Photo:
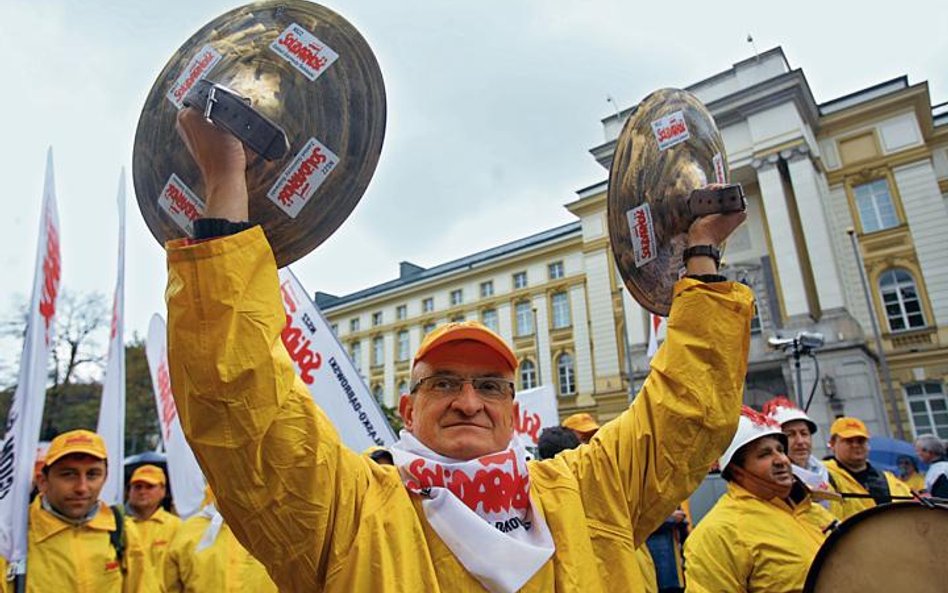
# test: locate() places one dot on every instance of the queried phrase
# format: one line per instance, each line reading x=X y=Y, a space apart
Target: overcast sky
x=492 y=108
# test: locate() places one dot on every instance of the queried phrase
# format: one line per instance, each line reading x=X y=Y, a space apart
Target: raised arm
x=639 y=467
x=284 y=482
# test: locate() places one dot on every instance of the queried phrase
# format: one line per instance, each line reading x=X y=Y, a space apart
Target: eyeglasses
x=488 y=388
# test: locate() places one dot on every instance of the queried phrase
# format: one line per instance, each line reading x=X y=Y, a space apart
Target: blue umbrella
x=884 y=453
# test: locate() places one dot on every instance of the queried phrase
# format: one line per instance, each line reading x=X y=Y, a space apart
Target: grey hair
x=932 y=444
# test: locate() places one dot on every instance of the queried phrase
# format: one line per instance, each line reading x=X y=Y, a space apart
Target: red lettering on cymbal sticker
x=304 y=51
x=197 y=68
x=718 y=161
x=300 y=180
x=642 y=232
x=670 y=130
x=181 y=204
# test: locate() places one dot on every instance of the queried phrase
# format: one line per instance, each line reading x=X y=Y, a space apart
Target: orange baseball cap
x=75 y=441
x=466 y=330
x=849 y=427
x=581 y=422
x=150 y=474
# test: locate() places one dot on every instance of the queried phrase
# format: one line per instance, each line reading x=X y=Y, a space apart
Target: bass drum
x=886 y=549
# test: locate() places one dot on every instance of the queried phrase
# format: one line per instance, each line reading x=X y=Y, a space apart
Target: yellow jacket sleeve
x=140 y=577
x=290 y=490
x=640 y=466
x=716 y=561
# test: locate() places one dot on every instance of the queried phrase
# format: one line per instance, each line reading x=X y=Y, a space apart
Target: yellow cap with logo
x=75 y=441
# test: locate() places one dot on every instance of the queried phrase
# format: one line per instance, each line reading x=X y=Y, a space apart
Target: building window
x=376 y=318
x=489 y=318
x=929 y=408
x=524 y=318
x=520 y=280
x=355 y=353
x=487 y=289
x=428 y=328
x=528 y=374
x=564 y=368
x=403 y=345
x=903 y=308
x=427 y=305
x=556 y=270
x=335 y=329
x=560 y=306
x=377 y=393
x=354 y=324
x=401 y=312
x=457 y=318
x=402 y=387
x=457 y=297
x=378 y=351
x=874 y=203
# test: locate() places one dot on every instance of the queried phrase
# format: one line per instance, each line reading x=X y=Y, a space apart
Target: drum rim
x=844 y=527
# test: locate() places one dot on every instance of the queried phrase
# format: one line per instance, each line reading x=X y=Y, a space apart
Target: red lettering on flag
x=51 y=273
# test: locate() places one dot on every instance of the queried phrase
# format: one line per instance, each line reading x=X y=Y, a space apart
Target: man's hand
x=221 y=158
x=711 y=230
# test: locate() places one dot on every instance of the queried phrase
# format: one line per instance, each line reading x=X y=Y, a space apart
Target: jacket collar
x=799 y=497
x=44 y=524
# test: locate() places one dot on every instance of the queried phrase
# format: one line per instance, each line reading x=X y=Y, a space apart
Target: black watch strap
x=210 y=228
x=702 y=250
x=235 y=114
x=707 y=277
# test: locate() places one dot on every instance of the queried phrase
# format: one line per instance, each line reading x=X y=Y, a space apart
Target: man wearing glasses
x=461 y=509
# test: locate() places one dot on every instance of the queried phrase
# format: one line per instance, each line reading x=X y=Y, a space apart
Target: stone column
x=810 y=205
x=786 y=260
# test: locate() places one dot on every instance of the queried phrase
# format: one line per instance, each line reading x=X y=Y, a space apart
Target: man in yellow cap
x=146 y=490
x=77 y=543
x=583 y=425
x=852 y=474
x=462 y=510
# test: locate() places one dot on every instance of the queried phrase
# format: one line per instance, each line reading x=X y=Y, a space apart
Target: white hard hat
x=752 y=426
x=782 y=410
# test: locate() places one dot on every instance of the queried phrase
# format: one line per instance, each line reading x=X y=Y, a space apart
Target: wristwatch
x=702 y=250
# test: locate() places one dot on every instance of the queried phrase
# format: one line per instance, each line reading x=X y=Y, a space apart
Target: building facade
x=857 y=182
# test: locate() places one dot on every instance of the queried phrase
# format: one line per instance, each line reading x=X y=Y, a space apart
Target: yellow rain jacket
x=323 y=518
x=845 y=483
x=157 y=532
x=81 y=559
x=746 y=545
x=222 y=567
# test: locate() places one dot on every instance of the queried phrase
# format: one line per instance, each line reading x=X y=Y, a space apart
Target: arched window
x=528 y=374
x=903 y=308
x=567 y=376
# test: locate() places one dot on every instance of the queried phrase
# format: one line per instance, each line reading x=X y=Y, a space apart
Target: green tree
x=141 y=413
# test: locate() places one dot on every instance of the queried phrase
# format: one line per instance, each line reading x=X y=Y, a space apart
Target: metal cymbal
x=669 y=146
x=305 y=68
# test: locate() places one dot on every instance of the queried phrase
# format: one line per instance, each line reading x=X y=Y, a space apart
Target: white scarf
x=815 y=475
x=481 y=509
x=213 y=528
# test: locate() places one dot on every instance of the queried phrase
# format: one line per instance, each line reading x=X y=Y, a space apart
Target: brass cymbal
x=305 y=68
x=669 y=146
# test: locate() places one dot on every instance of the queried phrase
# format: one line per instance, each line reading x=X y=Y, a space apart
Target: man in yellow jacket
x=205 y=557
x=76 y=542
x=762 y=535
x=461 y=510
x=851 y=473
x=146 y=490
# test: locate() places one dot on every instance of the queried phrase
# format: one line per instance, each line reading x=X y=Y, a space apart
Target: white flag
x=656 y=333
x=536 y=410
x=112 y=408
x=26 y=410
x=184 y=474
x=325 y=368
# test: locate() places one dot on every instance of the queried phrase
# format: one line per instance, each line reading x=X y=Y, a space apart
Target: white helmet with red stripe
x=752 y=426
x=782 y=410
